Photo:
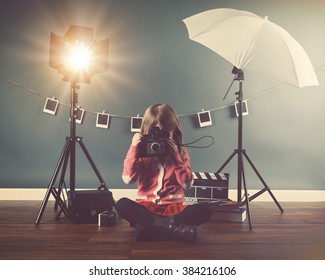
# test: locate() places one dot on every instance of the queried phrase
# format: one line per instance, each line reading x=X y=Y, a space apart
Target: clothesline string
x=179 y=115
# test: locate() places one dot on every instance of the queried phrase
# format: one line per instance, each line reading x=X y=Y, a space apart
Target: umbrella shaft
x=240 y=115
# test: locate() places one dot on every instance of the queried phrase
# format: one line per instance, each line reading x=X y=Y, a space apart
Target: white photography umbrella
x=251 y=42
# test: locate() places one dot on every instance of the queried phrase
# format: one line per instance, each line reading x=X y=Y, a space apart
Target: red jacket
x=161 y=183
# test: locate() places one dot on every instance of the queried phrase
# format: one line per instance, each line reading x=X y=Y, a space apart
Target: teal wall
x=152 y=60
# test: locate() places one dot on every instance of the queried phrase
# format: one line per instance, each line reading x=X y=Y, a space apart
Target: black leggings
x=133 y=212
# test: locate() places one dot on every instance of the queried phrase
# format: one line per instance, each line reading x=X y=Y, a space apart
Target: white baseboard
x=281 y=195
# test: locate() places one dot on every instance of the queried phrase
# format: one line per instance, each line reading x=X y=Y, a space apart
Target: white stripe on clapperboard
x=211 y=174
x=203 y=176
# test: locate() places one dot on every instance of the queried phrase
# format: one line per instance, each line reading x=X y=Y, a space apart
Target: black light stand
x=68 y=154
x=241 y=154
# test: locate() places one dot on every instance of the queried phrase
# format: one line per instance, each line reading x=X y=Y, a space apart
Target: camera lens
x=155 y=147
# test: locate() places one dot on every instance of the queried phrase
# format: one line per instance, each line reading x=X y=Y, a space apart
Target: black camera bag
x=86 y=205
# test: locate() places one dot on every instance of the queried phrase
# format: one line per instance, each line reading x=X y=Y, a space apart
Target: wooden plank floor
x=298 y=233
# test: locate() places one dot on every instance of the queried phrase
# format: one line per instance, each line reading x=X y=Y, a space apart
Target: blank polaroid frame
x=204 y=118
x=80 y=115
x=102 y=120
x=136 y=123
x=245 y=108
x=51 y=106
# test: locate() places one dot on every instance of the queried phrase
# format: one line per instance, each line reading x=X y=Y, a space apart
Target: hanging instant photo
x=136 y=124
x=80 y=115
x=51 y=106
x=102 y=120
x=245 y=108
x=204 y=118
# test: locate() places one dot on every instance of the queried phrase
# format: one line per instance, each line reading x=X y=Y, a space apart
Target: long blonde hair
x=167 y=117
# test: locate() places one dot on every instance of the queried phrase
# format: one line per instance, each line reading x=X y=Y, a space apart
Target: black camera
x=154 y=143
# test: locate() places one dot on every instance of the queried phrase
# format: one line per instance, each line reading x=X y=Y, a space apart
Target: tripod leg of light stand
x=51 y=189
x=227 y=161
x=92 y=163
x=60 y=189
x=64 y=209
x=61 y=180
x=266 y=188
x=246 y=195
x=241 y=176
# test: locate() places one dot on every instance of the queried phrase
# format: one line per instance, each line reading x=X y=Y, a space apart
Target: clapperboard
x=208 y=186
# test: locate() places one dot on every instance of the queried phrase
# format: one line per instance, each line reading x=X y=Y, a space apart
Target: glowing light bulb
x=78 y=57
